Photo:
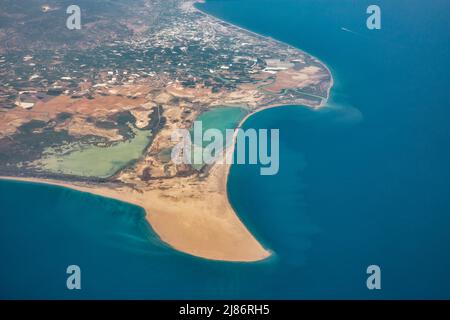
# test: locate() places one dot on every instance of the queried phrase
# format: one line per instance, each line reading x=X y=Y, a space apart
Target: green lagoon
x=103 y=161
x=220 y=118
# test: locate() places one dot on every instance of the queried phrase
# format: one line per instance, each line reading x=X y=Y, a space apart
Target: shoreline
x=231 y=148
x=198 y=220
x=206 y=227
x=324 y=100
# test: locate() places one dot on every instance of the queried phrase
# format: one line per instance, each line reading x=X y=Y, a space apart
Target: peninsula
x=94 y=111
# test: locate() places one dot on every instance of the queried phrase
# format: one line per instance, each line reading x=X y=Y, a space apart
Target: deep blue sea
x=364 y=181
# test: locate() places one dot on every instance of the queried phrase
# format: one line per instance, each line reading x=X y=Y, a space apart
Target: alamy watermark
x=213 y=146
x=73 y=22
x=374 y=20
x=74 y=280
x=374 y=280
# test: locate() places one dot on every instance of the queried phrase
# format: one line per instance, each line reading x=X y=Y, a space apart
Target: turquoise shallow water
x=365 y=181
x=221 y=118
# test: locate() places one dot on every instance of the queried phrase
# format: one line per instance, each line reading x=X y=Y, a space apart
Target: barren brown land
x=81 y=105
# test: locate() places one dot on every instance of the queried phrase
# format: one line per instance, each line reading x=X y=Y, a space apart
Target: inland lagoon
x=220 y=118
x=104 y=161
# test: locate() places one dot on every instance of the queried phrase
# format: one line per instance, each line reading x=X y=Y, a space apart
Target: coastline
x=324 y=101
x=203 y=223
x=230 y=150
x=204 y=226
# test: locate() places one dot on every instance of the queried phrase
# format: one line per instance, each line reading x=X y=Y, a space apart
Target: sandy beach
x=193 y=218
